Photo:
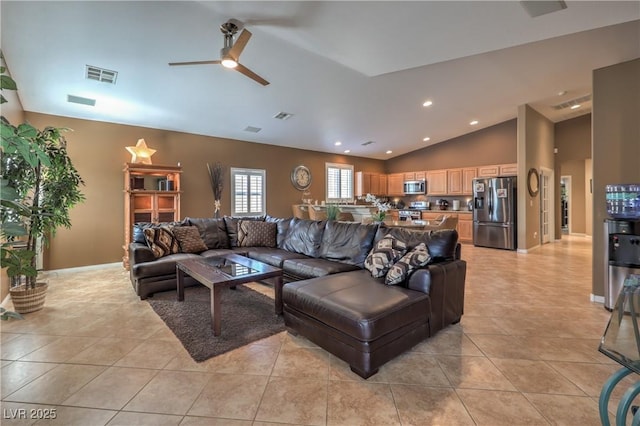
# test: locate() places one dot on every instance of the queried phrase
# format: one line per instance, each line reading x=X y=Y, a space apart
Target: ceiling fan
x=230 y=53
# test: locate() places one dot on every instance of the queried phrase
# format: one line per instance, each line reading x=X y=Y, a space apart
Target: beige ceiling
x=347 y=71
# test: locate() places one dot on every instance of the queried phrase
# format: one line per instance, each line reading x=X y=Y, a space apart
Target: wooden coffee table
x=226 y=271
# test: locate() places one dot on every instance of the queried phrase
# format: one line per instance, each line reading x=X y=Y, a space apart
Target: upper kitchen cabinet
x=498 y=170
x=437 y=182
x=454 y=181
x=409 y=176
x=395 y=184
x=468 y=175
x=509 y=169
x=489 y=171
x=370 y=183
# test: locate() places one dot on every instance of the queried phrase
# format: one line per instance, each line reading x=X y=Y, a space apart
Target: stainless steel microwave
x=415 y=187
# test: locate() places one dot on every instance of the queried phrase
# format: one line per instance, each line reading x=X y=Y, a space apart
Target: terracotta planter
x=27 y=300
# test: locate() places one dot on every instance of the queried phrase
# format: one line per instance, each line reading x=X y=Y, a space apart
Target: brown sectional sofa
x=328 y=297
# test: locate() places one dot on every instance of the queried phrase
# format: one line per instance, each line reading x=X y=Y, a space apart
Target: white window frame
x=248 y=172
x=346 y=192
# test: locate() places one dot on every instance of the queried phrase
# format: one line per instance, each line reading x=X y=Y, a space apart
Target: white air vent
x=80 y=100
x=572 y=102
x=283 y=115
x=252 y=129
x=368 y=143
x=101 y=74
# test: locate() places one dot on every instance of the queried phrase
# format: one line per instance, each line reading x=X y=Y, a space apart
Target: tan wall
x=493 y=145
x=573 y=142
x=98 y=151
x=535 y=149
x=588 y=196
x=616 y=145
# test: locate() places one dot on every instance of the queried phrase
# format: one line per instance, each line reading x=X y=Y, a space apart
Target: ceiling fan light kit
x=230 y=53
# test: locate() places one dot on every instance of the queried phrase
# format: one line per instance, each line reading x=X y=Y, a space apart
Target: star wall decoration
x=141 y=153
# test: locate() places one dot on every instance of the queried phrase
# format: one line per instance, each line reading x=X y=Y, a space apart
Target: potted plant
x=381 y=214
x=333 y=211
x=40 y=185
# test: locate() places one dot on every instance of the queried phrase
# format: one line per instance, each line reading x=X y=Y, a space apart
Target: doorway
x=546 y=205
x=565 y=204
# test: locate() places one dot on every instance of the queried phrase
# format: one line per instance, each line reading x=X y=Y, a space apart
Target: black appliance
x=414 y=212
x=623 y=238
x=415 y=187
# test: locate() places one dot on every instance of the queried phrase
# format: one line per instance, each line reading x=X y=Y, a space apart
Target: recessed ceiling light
x=562 y=93
x=575 y=106
x=474 y=122
x=338 y=143
x=389 y=152
x=346 y=151
x=427 y=139
x=427 y=103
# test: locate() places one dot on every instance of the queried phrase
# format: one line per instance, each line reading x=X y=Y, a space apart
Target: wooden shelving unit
x=151 y=194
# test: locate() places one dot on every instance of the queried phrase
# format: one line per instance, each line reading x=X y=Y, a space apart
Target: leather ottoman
x=357 y=318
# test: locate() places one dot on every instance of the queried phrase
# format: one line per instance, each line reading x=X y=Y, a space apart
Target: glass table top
x=621 y=339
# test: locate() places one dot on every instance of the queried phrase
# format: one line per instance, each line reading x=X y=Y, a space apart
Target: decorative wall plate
x=533 y=182
x=301 y=177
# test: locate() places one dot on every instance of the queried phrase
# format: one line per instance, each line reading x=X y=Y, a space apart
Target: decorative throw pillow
x=161 y=241
x=415 y=259
x=189 y=239
x=384 y=254
x=253 y=233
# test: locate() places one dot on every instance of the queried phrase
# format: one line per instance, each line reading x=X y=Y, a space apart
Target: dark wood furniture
x=223 y=272
x=151 y=194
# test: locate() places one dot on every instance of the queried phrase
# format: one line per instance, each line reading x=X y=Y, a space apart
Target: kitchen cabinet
x=395 y=184
x=151 y=194
x=468 y=174
x=489 y=171
x=362 y=184
x=433 y=215
x=370 y=183
x=384 y=184
x=454 y=181
x=465 y=223
x=415 y=175
x=509 y=169
x=465 y=228
x=437 y=182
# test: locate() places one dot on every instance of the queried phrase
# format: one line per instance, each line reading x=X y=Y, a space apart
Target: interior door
x=545 y=205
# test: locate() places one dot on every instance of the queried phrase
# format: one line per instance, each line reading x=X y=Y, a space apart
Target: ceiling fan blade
x=239 y=45
x=246 y=71
x=195 y=63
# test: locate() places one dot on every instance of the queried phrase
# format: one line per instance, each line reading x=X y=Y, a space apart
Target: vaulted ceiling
x=352 y=72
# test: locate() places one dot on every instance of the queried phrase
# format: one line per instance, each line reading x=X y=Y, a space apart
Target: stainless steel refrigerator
x=494 y=212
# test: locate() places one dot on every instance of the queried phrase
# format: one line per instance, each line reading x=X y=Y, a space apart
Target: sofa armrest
x=140 y=253
x=444 y=283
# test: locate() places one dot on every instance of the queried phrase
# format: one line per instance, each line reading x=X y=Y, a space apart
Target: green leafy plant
x=5 y=314
x=39 y=187
x=333 y=211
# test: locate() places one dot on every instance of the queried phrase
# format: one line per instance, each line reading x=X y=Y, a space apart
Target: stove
x=414 y=212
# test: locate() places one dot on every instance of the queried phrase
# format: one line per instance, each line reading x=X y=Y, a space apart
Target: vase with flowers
x=382 y=207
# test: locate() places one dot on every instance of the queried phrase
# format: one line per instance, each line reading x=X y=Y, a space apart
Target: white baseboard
x=525 y=251
x=597 y=299
x=83 y=268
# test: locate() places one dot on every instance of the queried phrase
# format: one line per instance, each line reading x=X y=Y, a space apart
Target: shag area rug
x=247 y=316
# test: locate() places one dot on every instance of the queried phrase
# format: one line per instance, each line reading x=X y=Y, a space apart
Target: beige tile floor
x=525 y=352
